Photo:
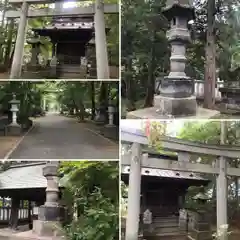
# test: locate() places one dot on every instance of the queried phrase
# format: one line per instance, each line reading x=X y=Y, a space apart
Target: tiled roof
x=23 y=176
x=164 y=173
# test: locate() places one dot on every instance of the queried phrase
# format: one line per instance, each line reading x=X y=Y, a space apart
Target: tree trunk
x=129 y=86
x=210 y=64
x=151 y=66
x=3 y=32
x=93 y=99
x=7 y=56
x=3 y=13
x=103 y=98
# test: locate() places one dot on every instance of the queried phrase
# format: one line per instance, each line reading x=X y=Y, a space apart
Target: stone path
x=59 y=137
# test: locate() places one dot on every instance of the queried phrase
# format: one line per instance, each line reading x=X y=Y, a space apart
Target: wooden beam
x=78 y=11
x=180 y=166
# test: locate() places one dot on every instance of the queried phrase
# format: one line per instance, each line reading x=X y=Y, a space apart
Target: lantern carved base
x=177 y=107
x=14 y=129
x=153 y=113
x=110 y=126
x=47 y=228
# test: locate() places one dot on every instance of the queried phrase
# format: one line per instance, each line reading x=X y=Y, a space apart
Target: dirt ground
x=6 y=144
x=4 y=75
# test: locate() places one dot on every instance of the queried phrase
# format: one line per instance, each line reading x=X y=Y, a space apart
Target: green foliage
x=209 y=132
x=29 y=94
x=144 y=30
x=92 y=199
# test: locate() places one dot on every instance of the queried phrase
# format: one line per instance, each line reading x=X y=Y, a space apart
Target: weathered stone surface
x=47 y=228
x=201 y=226
x=179 y=8
x=176 y=88
x=14 y=130
x=201 y=235
x=47 y=213
x=50 y=170
x=231 y=97
x=178 y=107
x=153 y=113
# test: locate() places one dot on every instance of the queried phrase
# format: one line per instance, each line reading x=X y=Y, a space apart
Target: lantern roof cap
x=176 y=8
x=201 y=195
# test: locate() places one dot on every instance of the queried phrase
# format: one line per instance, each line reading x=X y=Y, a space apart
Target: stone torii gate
x=184 y=148
x=98 y=9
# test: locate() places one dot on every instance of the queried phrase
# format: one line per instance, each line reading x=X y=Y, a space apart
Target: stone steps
x=167 y=228
x=72 y=71
x=169 y=236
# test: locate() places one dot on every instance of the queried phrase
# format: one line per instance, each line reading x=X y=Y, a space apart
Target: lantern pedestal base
x=153 y=113
x=110 y=126
x=14 y=129
x=176 y=107
x=47 y=228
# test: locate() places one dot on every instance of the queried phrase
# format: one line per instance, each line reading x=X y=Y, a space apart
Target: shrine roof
x=164 y=173
x=23 y=176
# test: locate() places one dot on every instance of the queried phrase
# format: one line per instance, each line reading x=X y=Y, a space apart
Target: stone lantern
x=35 y=43
x=176 y=95
x=14 y=109
x=91 y=58
x=14 y=127
x=111 y=111
x=50 y=214
x=231 y=96
x=201 y=219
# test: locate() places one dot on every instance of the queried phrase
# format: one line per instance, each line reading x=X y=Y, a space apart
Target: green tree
x=92 y=199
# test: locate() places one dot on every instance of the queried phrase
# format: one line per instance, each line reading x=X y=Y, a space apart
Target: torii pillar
x=134 y=193
x=19 y=46
x=101 y=41
x=222 y=219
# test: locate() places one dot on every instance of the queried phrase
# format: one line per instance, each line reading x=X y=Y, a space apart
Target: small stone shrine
x=231 y=96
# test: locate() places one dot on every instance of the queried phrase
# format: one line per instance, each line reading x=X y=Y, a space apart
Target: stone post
x=134 y=194
x=183 y=219
x=176 y=96
x=101 y=41
x=44 y=103
x=19 y=46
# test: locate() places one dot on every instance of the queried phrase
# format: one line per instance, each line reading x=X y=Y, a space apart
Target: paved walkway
x=59 y=137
